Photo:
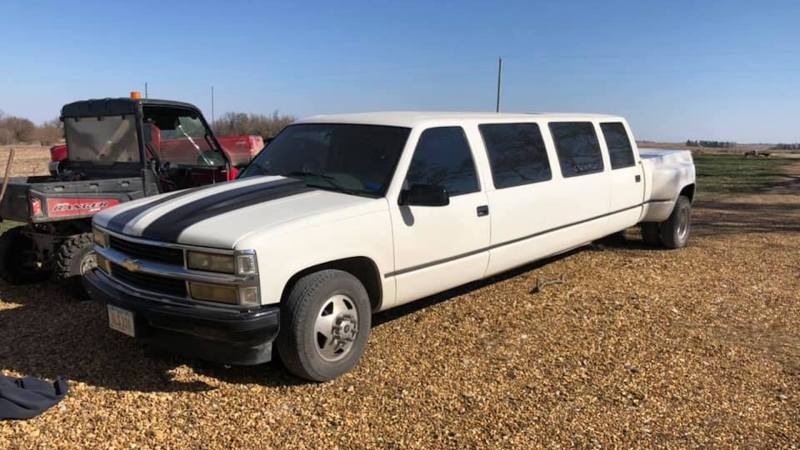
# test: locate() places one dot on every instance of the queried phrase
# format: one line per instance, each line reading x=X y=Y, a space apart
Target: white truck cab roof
x=411 y=119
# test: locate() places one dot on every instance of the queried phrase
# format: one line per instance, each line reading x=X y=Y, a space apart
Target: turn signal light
x=136 y=95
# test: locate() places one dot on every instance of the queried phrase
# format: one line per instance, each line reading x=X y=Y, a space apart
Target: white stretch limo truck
x=345 y=215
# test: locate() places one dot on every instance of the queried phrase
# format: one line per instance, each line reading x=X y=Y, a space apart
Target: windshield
x=102 y=140
x=354 y=159
x=180 y=137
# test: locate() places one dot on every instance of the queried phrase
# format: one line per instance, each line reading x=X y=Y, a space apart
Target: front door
x=440 y=247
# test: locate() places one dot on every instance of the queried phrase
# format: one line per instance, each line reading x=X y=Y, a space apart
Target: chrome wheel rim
x=336 y=328
x=683 y=224
x=88 y=263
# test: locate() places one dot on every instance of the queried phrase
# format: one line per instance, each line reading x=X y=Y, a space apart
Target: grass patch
x=735 y=174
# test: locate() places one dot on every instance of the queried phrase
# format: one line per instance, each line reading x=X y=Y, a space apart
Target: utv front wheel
x=75 y=257
x=19 y=262
x=325 y=324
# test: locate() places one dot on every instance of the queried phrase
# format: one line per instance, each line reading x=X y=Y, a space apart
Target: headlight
x=210 y=262
x=100 y=238
x=242 y=263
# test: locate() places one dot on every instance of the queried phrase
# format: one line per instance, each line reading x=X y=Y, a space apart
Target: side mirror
x=424 y=195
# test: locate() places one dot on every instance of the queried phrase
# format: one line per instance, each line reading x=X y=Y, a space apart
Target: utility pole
x=145 y=89
x=212 y=105
x=499 y=81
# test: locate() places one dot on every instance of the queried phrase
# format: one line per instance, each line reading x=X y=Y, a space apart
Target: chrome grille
x=149 y=282
x=147 y=252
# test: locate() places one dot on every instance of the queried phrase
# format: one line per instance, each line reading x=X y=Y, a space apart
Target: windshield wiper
x=196 y=147
x=331 y=180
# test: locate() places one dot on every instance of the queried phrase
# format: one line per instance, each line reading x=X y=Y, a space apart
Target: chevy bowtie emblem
x=131 y=265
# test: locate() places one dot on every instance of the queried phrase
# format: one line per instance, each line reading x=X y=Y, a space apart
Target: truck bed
x=40 y=199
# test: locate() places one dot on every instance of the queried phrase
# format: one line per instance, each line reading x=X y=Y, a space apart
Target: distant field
x=735 y=174
x=738 y=150
x=28 y=160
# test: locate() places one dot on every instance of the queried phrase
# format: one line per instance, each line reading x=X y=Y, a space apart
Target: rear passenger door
x=439 y=247
x=585 y=188
x=523 y=196
x=627 y=186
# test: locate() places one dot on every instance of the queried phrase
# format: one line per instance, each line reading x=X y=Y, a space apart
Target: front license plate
x=121 y=320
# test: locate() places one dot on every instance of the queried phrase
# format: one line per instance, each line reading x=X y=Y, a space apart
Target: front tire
x=75 y=257
x=325 y=325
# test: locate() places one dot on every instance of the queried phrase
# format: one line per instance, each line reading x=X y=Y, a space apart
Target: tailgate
x=41 y=199
x=81 y=199
x=15 y=205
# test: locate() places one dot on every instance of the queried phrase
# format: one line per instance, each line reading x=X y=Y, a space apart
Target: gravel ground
x=637 y=347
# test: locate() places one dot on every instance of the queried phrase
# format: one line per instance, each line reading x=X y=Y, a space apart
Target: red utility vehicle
x=116 y=150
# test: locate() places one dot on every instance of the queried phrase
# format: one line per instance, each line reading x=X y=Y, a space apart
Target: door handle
x=483 y=210
x=638 y=178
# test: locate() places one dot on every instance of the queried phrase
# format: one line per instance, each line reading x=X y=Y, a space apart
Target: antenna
x=212 y=104
x=145 y=89
x=499 y=81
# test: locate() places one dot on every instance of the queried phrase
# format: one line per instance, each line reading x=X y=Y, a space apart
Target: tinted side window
x=577 y=147
x=443 y=158
x=619 y=146
x=516 y=153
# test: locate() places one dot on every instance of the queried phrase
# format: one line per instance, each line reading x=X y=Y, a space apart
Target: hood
x=219 y=215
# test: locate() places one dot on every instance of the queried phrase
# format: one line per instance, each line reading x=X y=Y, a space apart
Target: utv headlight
x=210 y=262
x=100 y=238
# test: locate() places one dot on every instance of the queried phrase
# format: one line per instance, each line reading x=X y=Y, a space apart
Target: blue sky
x=676 y=69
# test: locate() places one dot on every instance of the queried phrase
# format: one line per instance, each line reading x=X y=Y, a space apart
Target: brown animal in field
x=752 y=153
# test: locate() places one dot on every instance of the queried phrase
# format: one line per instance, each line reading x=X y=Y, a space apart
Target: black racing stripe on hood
x=168 y=227
x=118 y=222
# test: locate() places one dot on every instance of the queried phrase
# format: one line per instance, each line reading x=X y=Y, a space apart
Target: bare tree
x=16 y=129
x=50 y=132
x=236 y=123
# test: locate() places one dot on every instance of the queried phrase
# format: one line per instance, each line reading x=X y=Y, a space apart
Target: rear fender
x=659 y=210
